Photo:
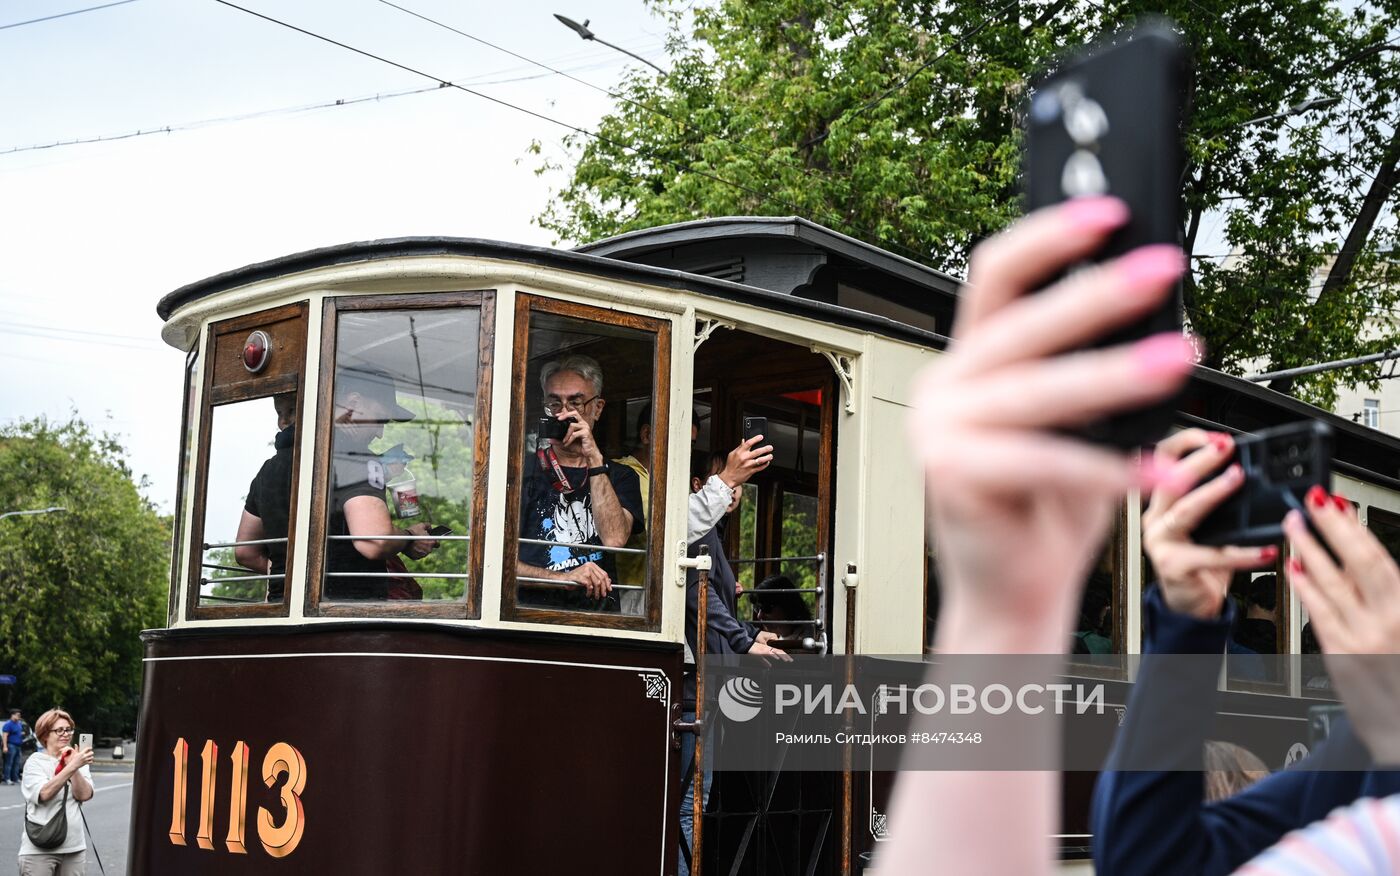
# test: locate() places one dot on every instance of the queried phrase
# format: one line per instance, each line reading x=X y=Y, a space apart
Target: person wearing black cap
x=364 y=399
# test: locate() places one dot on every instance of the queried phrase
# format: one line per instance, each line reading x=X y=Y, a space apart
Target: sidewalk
x=102 y=757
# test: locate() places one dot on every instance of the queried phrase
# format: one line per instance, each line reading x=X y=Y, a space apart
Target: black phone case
x=1138 y=80
x=755 y=426
x=1280 y=466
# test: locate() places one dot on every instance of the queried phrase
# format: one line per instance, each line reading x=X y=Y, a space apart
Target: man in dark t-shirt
x=572 y=498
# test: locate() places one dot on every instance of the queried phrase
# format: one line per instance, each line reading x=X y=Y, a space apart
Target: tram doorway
x=775 y=822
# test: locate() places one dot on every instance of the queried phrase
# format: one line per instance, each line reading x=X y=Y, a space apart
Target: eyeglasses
x=63 y=731
x=573 y=403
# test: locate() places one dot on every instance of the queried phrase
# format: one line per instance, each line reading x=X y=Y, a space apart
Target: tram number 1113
x=278 y=840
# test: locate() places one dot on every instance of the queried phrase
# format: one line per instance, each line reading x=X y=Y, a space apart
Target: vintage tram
x=435 y=698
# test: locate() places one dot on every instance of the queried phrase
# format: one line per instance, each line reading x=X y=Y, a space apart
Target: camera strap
x=549 y=462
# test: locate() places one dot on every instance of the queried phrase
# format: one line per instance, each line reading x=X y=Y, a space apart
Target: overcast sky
x=91 y=236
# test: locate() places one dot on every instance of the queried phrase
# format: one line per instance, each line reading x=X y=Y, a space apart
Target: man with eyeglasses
x=573 y=499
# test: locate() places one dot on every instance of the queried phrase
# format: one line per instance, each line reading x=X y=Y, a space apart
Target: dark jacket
x=1158 y=822
x=724 y=632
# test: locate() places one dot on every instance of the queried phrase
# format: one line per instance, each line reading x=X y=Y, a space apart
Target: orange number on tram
x=281 y=840
x=177 y=805
x=210 y=758
x=278 y=840
x=238 y=800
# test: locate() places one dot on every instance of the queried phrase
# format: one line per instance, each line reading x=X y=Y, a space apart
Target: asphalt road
x=108 y=815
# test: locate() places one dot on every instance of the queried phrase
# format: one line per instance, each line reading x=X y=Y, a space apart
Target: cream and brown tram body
x=311 y=707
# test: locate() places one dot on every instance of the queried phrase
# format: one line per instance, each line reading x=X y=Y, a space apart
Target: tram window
x=242 y=536
x=248 y=502
x=1385 y=526
x=747 y=521
x=1099 y=627
x=403 y=476
x=578 y=494
x=1260 y=630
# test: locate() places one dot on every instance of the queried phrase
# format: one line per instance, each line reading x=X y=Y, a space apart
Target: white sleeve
x=32 y=780
x=706 y=508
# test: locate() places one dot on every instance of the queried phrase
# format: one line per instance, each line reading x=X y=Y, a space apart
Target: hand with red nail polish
x=1352 y=595
x=1195 y=578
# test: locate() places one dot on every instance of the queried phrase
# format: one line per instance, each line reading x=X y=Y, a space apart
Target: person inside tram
x=1257 y=629
x=268 y=505
x=365 y=400
x=724 y=634
x=776 y=605
x=574 y=499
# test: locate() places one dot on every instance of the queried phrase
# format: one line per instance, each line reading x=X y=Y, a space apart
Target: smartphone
x=1108 y=122
x=84 y=741
x=556 y=429
x=439 y=531
x=1280 y=466
x=755 y=426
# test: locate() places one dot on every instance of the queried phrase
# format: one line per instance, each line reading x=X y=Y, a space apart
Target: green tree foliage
x=898 y=122
x=77 y=588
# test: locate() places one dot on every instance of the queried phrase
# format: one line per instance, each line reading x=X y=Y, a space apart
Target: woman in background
x=55 y=766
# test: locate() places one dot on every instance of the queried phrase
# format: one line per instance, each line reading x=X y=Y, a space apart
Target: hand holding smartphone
x=1280 y=466
x=1108 y=123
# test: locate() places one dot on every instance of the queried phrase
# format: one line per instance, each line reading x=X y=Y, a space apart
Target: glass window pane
x=404 y=406
x=583 y=541
x=248 y=501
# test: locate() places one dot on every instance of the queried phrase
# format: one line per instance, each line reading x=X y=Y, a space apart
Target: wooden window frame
x=525 y=305
x=249 y=390
x=484 y=300
x=178 y=545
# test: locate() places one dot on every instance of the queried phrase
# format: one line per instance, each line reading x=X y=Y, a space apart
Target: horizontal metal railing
x=398 y=575
x=208 y=546
x=409 y=537
x=598 y=547
x=570 y=585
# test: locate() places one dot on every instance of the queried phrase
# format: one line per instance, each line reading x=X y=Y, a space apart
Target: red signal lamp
x=256 y=351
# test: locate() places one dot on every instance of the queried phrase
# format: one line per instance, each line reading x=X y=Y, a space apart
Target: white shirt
x=706 y=508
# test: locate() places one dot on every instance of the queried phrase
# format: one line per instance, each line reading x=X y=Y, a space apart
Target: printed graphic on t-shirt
x=568 y=521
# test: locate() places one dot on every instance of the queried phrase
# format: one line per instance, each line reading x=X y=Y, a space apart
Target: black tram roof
x=611 y=268
x=795 y=266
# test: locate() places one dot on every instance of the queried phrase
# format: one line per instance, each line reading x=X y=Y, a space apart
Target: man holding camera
x=573 y=497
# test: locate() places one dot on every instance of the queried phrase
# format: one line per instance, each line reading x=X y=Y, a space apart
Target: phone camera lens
x=1296 y=471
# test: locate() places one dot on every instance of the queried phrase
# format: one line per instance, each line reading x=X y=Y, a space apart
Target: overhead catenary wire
x=65 y=14
x=764 y=196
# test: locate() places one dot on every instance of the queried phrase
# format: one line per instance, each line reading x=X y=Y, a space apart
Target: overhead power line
x=765 y=196
x=65 y=14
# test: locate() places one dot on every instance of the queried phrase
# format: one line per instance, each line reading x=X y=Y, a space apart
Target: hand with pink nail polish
x=1194 y=578
x=1018 y=507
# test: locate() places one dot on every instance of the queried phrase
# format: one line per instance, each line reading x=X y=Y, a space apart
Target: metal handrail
x=398 y=537
x=601 y=547
x=750 y=591
x=225 y=568
x=233 y=578
x=210 y=546
x=818 y=558
x=398 y=575
x=551 y=582
x=238 y=599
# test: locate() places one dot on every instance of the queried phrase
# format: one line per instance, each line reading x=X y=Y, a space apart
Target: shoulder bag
x=52 y=834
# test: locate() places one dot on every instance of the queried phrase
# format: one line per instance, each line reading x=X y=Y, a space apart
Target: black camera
x=1280 y=466
x=556 y=429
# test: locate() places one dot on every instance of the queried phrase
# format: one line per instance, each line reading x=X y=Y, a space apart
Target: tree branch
x=1340 y=274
